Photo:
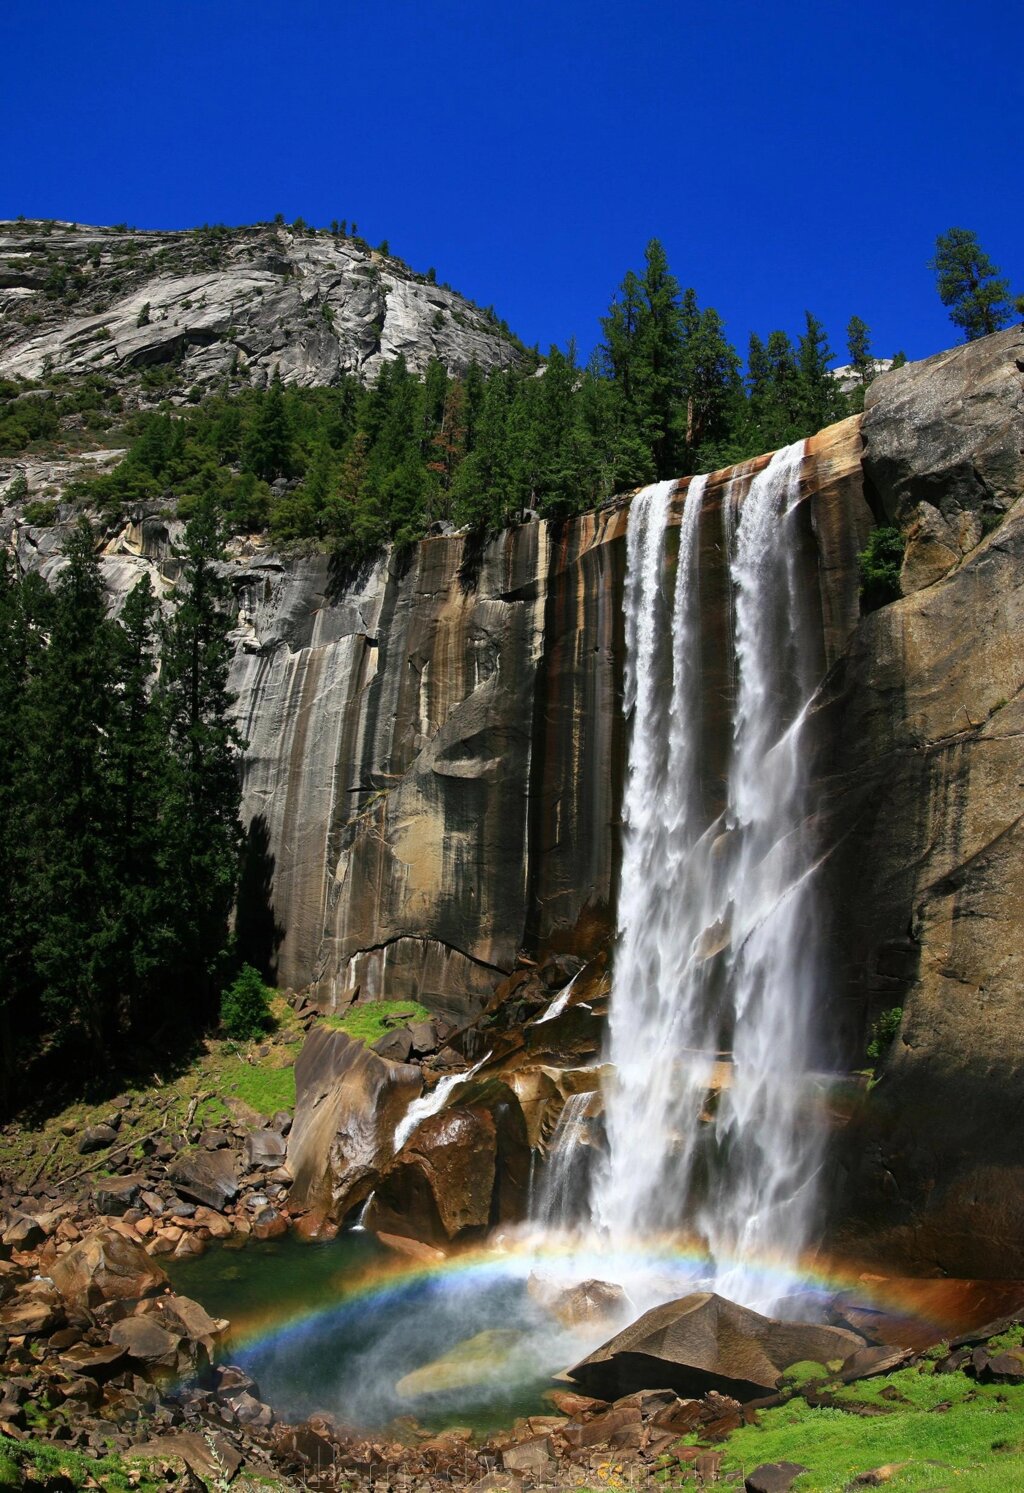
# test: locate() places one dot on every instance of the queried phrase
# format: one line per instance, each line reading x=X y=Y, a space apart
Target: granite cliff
x=436 y=751
x=207 y=304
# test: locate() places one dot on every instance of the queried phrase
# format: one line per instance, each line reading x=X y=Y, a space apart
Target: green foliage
x=883 y=1033
x=41 y=513
x=245 y=1006
x=970 y=287
x=51 y=1464
x=119 y=835
x=880 y=563
x=368 y=1020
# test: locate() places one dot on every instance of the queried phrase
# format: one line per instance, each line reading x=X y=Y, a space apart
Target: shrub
x=880 y=563
x=40 y=513
x=245 y=1006
x=883 y=1033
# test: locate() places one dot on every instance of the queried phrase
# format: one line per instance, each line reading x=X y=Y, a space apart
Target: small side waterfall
x=431 y=1104
x=717 y=966
x=563 y=1196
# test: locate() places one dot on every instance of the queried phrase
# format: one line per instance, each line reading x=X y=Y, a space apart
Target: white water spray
x=717 y=964
x=431 y=1104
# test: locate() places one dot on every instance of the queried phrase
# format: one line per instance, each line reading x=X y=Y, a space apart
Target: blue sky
x=789 y=155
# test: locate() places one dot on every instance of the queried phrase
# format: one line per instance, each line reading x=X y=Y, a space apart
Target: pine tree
x=68 y=718
x=819 y=398
x=203 y=836
x=268 y=446
x=137 y=943
x=970 y=286
x=858 y=345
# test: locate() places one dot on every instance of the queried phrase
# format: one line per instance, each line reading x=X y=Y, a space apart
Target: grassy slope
x=227 y=1079
x=948 y=1430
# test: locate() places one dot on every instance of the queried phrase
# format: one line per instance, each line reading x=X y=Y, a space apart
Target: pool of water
x=335 y=1329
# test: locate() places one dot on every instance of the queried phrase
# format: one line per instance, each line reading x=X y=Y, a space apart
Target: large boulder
x=105 y=1266
x=209 y=1177
x=441 y=1185
x=703 y=1342
x=348 y=1102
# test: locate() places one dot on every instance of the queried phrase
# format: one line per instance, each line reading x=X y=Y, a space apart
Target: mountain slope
x=172 y=313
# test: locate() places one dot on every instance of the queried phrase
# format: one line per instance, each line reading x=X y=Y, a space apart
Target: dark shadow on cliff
x=258 y=934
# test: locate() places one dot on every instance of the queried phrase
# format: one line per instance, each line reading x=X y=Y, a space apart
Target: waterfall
x=709 y=1119
x=562 y=1196
x=431 y=1104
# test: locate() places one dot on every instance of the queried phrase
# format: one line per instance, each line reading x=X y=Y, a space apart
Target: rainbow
x=376 y=1285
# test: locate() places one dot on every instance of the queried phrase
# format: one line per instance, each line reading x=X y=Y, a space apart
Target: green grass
x=262 y=1088
x=367 y=1020
x=49 y=1460
x=950 y=1431
x=224 y=1076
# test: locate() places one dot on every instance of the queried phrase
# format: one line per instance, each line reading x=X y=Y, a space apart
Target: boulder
x=117 y=1194
x=105 y=1266
x=159 y=1352
x=533 y=1456
x=486 y=1358
x=96 y=1138
x=265 y=1148
x=209 y=1456
x=208 y=1177
x=703 y=1342
x=348 y=1103
x=589 y=1302
x=23 y=1232
x=98 y=1361
x=773 y=1477
x=396 y=1045
x=441 y=1185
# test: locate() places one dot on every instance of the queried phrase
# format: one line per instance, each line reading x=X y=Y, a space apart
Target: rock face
x=348 y=1103
x=703 y=1342
x=240 y=302
x=927 y=874
x=436 y=751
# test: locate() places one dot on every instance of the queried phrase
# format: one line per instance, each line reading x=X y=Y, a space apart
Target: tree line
x=120 y=841
x=353 y=467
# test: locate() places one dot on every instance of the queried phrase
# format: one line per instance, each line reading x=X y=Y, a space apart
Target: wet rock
x=589 y=1302
x=106 y=1266
x=207 y=1177
x=442 y=1183
x=703 y=1342
x=485 y=1358
x=269 y=1224
x=250 y=1411
x=96 y=1138
x=348 y=1102
x=423 y=1037
x=281 y=1121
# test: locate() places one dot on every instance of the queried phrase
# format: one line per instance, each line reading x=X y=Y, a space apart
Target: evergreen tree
x=202 y=833
x=711 y=379
x=268 y=446
x=70 y=891
x=819 y=398
x=136 y=943
x=858 y=344
x=970 y=286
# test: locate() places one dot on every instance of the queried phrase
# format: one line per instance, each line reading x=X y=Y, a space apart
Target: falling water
x=717 y=963
x=563 y=1194
x=431 y=1104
